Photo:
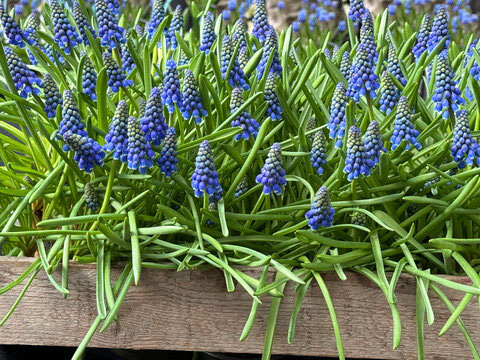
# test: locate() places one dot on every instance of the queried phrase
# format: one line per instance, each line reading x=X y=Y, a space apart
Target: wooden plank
x=191 y=310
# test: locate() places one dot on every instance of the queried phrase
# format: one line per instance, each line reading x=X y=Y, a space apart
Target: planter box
x=191 y=310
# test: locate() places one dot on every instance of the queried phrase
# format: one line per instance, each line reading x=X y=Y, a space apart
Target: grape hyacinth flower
x=52 y=53
x=128 y=64
x=158 y=14
x=232 y=5
x=171 y=93
x=244 y=120
x=260 y=21
x=363 y=80
x=176 y=26
x=153 y=122
x=208 y=33
x=13 y=32
x=321 y=212
x=117 y=138
x=242 y=187
x=192 y=102
x=447 y=96
x=89 y=79
x=88 y=152
x=90 y=196
x=139 y=153
x=66 y=37
x=296 y=26
x=422 y=37
x=113 y=6
x=328 y=54
x=346 y=65
x=272 y=176
x=71 y=120
x=212 y=207
x=242 y=58
x=359 y=218
x=168 y=155
x=205 y=177
x=142 y=105
x=116 y=77
x=31 y=28
x=335 y=52
x=183 y=58
x=274 y=109
x=439 y=30
x=373 y=143
x=236 y=77
x=336 y=122
x=393 y=65
x=139 y=30
x=389 y=94
x=281 y=5
x=226 y=14
x=270 y=46
x=367 y=36
x=403 y=127
x=311 y=125
x=110 y=34
x=53 y=98
x=82 y=23
x=318 y=155
x=239 y=32
x=357 y=161
x=302 y=16
x=465 y=149
x=25 y=80
x=357 y=10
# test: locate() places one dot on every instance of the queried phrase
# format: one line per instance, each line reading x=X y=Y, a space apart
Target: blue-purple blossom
x=336 y=121
x=270 y=46
x=116 y=77
x=89 y=79
x=208 y=33
x=111 y=35
x=65 y=35
x=13 y=32
x=140 y=155
x=321 y=212
x=272 y=175
x=403 y=127
x=117 y=138
x=153 y=122
x=171 y=94
x=158 y=14
x=25 y=80
x=88 y=152
x=357 y=161
x=447 y=97
x=53 y=98
x=389 y=94
x=168 y=155
x=205 y=177
x=439 y=30
x=363 y=80
x=373 y=143
x=192 y=102
x=176 y=26
x=82 y=23
x=236 y=76
x=274 y=109
x=90 y=196
x=422 y=37
x=244 y=120
x=260 y=21
x=465 y=149
x=318 y=155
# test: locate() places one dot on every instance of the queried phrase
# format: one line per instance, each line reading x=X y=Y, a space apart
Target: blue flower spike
x=272 y=176
x=389 y=94
x=82 y=23
x=71 y=120
x=465 y=149
x=111 y=35
x=128 y=64
x=158 y=14
x=439 y=30
x=53 y=98
x=357 y=10
x=91 y=197
x=153 y=122
x=274 y=109
x=270 y=46
x=363 y=80
x=403 y=127
x=242 y=187
x=176 y=26
x=244 y=120
x=422 y=37
x=373 y=143
x=357 y=161
x=236 y=76
x=393 y=65
x=260 y=21
x=13 y=32
x=140 y=155
x=25 y=80
x=66 y=36
x=205 y=177
x=168 y=155
x=116 y=77
x=318 y=155
x=346 y=65
x=336 y=122
x=321 y=212
x=89 y=79
x=192 y=102
x=208 y=33
x=116 y=140
x=88 y=152
x=171 y=94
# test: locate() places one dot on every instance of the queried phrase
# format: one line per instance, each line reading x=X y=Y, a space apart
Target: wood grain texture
x=191 y=310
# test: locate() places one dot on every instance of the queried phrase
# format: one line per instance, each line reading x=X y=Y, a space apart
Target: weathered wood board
x=191 y=310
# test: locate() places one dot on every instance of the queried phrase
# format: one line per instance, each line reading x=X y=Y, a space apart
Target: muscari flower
x=335 y=51
x=447 y=96
x=321 y=212
x=358 y=218
x=89 y=79
x=244 y=120
x=281 y=5
x=176 y=26
x=422 y=37
x=117 y=138
x=393 y=65
x=13 y=32
x=208 y=33
x=158 y=14
x=270 y=46
x=311 y=125
x=110 y=34
x=272 y=176
x=192 y=102
x=168 y=155
x=274 y=109
x=153 y=122
x=403 y=127
x=31 y=27
x=318 y=155
x=205 y=177
x=53 y=98
x=88 y=152
x=296 y=26
x=465 y=149
x=367 y=36
x=90 y=196
x=328 y=54
x=128 y=64
x=183 y=58
x=116 y=77
x=71 y=120
x=54 y=55
x=336 y=121
x=232 y=5
x=302 y=15
x=242 y=58
x=113 y=6
x=171 y=93
x=346 y=65
x=357 y=161
x=363 y=80
x=142 y=105
x=357 y=9
x=260 y=21
x=25 y=80
x=236 y=77
x=373 y=143
x=82 y=23
x=342 y=26
x=389 y=94
x=139 y=30
x=239 y=32
x=65 y=35
x=242 y=187
x=139 y=151
x=439 y=30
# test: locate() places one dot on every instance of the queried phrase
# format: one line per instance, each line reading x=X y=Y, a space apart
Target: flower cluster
x=158 y=14
x=31 y=28
x=117 y=138
x=171 y=94
x=363 y=80
x=389 y=94
x=439 y=30
x=393 y=65
x=367 y=36
x=53 y=98
x=88 y=152
x=357 y=161
x=71 y=120
x=422 y=37
x=336 y=121
x=192 y=102
x=82 y=23
x=16 y=36
x=321 y=212
x=116 y=77
x=65 y=34
x=244 y=120
x=25 y=80
x=272 y=175
x=260 y=21
x=359 y=218
x=318 y=155
x=139 y=151
x=239 y=31
x=274 y=109
x=242 y=187
x=89 y=79
x=346 y=65
x=111 y=35
x=168 y=155
x=205 y=177
x=357 y=10
x=90 y=196
x=447 y=96
x=373 y=143
x=208 y=33
x=465 y=149
x=236 y=76
x=128 y=64
x=153 y=123
x=269 y=47
x=403 y=127
x=176 y=26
